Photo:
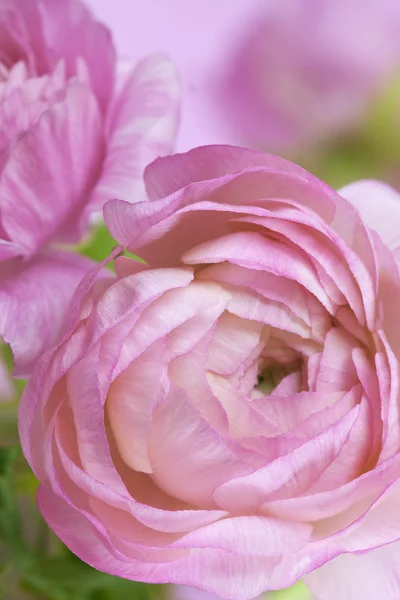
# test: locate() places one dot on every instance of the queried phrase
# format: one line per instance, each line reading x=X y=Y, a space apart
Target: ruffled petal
x=369 y=576
x=234 y=577
x=34 y=298
x=142 y=125
x=167 y=175
x=71 y=33
x=50 y=171
x=379 y=207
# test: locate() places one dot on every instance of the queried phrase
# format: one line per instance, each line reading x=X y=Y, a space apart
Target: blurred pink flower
x=227 y=416
x=308 y=70
x=75 y=131
x=271 y=73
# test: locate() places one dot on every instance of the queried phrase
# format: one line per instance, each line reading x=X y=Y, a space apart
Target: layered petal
x=230 y=576
x=379 y=207
x=141 y=126
x=204 y=460
x=71 y=32
x=152 y=226
x=375 y=574
x=34 y=298
x=50 y=171
x=167 y=175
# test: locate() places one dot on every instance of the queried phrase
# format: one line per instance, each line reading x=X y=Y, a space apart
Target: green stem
x=10 y=525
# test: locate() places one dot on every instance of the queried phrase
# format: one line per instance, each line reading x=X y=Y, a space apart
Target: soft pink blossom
x=308 y=71
x=227 y=416
x=76 y=129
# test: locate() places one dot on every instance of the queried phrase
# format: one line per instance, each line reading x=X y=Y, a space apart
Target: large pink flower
x=228 y=416
x=75 y=131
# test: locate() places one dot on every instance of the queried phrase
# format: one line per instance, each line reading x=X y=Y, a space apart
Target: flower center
x=270 y=375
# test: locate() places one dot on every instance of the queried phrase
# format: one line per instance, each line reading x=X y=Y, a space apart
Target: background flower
x=282 y=76
x=76 y=130
x=308 y=72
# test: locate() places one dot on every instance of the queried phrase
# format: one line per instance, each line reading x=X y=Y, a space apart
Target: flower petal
x=34 y=297
x=228 y=575
x=132 y=399
x=71 y=33
x=203 y=209
x=179 y=435
x=369 y=576
x=167 y=175
x=250 y=535
x=50 y=171
x=379 y=207
x=142 y=125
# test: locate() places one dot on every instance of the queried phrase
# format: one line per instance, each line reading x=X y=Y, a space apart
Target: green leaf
x=7 y=357
x=8 y=425
x=100 y=245
x=10 y=522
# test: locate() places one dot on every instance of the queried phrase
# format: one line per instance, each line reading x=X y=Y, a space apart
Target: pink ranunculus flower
x=227 y=416
x=76 y=129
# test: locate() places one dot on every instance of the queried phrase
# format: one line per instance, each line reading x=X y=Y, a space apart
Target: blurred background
x=316 y=81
